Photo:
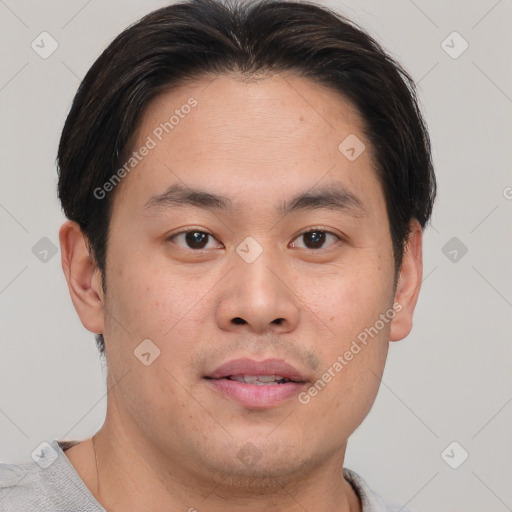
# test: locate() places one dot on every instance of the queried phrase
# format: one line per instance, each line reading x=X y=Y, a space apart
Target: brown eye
x=315 y=239
x=196 y=239
x=193 y=239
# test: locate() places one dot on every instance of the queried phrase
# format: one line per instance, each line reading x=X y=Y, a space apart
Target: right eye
x=193 y=239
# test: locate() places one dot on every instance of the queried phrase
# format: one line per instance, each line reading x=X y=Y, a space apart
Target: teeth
x=258 y=379
x=268 y=378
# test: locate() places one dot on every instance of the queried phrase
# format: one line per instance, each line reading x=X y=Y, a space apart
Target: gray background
x=450 y=380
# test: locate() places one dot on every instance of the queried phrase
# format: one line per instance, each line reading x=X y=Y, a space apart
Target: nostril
x=238 y=320
x=278 y=321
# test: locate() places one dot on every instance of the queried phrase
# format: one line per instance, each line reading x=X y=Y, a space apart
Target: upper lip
x=246 y=366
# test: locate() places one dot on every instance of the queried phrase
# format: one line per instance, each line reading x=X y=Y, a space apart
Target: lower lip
x=254 y=395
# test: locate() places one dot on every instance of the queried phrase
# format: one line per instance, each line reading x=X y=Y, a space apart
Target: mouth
x=261 y=380
x=257 y=384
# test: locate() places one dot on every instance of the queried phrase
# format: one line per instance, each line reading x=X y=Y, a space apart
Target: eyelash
x=310 y=230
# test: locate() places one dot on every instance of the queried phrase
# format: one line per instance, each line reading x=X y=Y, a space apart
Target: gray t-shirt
x=51 y=484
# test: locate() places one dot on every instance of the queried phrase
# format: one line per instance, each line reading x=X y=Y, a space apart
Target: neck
x=133 y=476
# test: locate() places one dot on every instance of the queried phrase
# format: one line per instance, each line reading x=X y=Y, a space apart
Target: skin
x=169 y=441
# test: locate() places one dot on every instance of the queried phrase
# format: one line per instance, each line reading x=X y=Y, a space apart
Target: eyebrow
x=179 y=195
x=331 y=197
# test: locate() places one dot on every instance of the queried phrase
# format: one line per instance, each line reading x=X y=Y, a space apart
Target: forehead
x=283 y=108
x=251 y=139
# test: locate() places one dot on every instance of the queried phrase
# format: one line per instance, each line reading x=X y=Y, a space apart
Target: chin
x=266 y=466
x=264 y=477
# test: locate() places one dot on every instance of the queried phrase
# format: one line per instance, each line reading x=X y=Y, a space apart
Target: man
x=246 y=186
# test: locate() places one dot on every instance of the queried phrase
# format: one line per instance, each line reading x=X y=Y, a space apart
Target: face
x=247 y=241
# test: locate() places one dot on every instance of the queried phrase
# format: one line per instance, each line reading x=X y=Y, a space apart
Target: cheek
x=348 y=311
x=353 y=353
x=170 y=308
x=347 y=300
x=347 y=398
x=148 y=302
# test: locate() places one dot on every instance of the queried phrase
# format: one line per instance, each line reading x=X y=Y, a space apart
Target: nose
x=258 y=297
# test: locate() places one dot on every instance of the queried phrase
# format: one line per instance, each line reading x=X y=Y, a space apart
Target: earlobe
x=409 y=284
x=83 y=277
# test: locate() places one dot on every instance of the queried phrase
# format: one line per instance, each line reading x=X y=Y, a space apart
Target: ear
x=409 y=283
x=83 y=277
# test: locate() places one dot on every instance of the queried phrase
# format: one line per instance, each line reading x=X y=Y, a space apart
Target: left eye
x=194 y=239
x=315 y=239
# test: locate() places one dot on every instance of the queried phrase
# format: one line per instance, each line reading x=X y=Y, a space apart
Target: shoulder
x=19 y=484
x=48 y=483
x=370 y=500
